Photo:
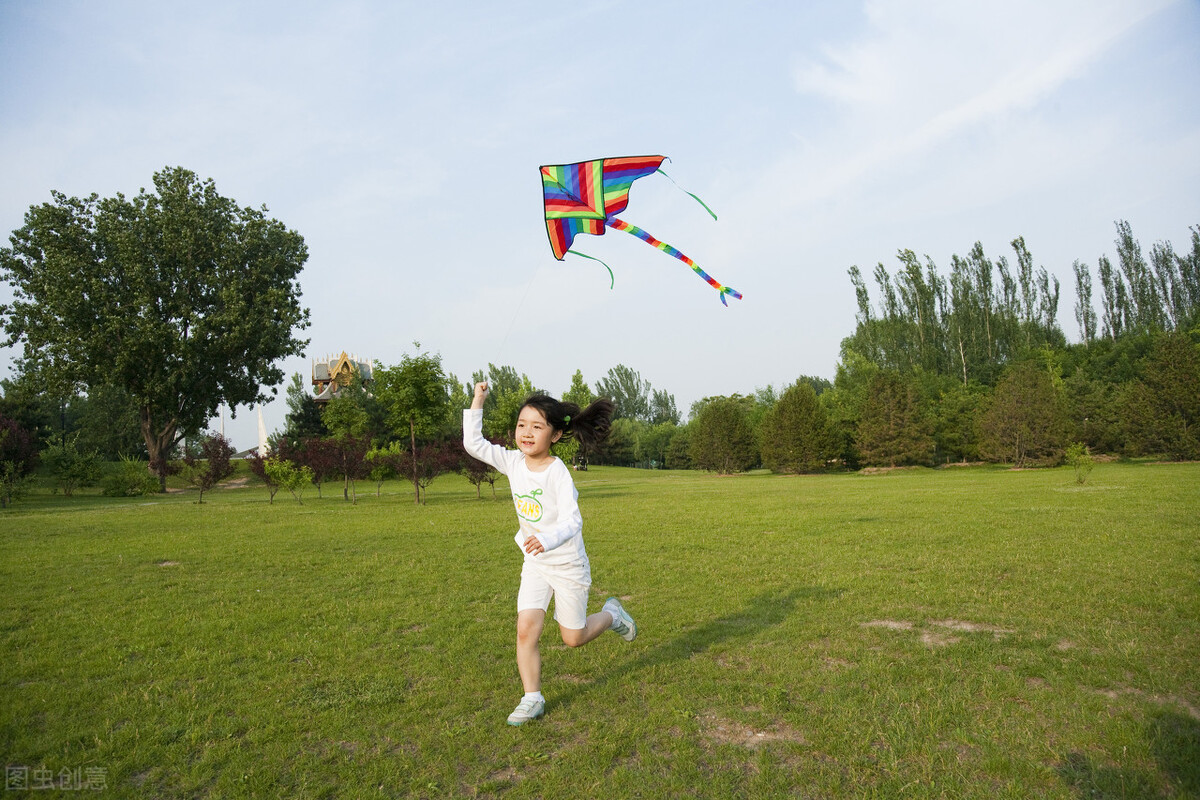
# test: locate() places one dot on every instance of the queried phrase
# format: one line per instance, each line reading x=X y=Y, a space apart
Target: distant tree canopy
x=178 y=297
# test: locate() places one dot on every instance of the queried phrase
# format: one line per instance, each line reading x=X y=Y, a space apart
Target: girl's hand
x=533 y=546
x=481 y=390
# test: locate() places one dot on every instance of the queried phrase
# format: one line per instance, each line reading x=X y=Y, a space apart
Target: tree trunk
x=158 y=446
x=412 y=432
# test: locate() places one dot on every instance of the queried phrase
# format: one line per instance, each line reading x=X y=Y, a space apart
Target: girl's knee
x=573 y=638
x=529 y=628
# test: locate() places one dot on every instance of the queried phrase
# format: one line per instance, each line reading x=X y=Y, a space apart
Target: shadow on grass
x=1175 y=743
x=761 y=613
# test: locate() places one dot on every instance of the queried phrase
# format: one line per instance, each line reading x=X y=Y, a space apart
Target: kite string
x=516 y=312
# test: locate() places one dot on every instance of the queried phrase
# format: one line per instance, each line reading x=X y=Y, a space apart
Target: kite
x=585 y=197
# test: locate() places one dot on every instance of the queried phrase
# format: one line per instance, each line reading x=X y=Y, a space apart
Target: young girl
x=550 y=533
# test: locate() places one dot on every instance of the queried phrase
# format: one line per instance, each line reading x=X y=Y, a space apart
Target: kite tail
x=611 y=280
x=689 y=194
x=621 y=225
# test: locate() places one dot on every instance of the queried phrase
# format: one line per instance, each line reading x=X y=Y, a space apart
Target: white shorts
x=568 y=585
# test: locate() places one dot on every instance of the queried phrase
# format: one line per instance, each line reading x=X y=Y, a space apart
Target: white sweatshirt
x=547 y=503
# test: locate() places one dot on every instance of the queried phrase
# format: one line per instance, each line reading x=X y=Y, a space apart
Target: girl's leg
x=529 y=657
x=593 y=626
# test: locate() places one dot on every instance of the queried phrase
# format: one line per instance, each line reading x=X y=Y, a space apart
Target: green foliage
x=385 y=463
x=70 y=466
x=620 y=448
x=653 y=443
x=13 y=483
x=628 y=392
x=722 y=439
x=344 y=418
x=795 y=433
x=415 y=396
x=178 y=296
x=1025 y=422
x=1162 y=409
x=893 y=429
x=131 y=477
x=304 y=413
x=1080 y=460
x=579 y=393
x=678 y=454
x=284 y=474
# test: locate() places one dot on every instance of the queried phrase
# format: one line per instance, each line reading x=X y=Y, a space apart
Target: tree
x=415 y=396
x=620 y=446
x=304 y=413
x=678 y=453
x=428 y=462
x=893 y=430
x=1025 y=421
x=662 y=408
x=287 y=475
x=178 y=296
x=479 y=472
x=795 y=433
x=629 y=393
x=384 y=463
x=579 y=393
x=1162 y=410
x=721 y=438
x=652 y=444
x=18 y=460
x=211 y=465
x=347 y=423
x=71 y=466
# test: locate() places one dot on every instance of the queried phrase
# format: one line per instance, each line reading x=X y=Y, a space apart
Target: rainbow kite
x=586 y=196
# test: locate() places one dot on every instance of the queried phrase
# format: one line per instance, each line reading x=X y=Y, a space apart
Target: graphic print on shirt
x=528 y=506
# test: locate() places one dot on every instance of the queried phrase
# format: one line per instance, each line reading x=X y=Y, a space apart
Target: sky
x=402 y=140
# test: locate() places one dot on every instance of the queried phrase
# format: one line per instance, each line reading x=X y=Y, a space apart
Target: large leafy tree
x=177 y=295
x=416 y=395
x=796 y=436
x=1025 y=421
x=1162 y=410
x=629 y=393
x=893 y=430
x=722 y=439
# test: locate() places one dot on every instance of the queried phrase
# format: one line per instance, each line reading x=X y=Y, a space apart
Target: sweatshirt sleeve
x=570 y=521
x=477 y=446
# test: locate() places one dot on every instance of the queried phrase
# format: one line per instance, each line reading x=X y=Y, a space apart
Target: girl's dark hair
x=590 y=425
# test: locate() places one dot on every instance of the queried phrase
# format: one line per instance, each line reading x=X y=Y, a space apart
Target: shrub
x=1079 y=457
x=70 y=467
x=131 y=478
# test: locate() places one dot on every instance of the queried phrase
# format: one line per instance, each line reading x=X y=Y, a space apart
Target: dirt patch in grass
x=167 y=563
x=937 y=638
x=720 y=730
x=942 y=632
x=890 y=624
x=970 y=627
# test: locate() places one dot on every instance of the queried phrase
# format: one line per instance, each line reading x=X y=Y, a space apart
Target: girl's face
x=534 y=434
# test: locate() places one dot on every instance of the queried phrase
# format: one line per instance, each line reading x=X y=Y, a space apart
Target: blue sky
x=402 y=140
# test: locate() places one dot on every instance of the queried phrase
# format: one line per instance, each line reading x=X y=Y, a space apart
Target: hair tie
x=567 y=419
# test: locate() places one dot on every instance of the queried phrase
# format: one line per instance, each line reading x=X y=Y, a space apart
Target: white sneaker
x=526 y=710
x=623 y=624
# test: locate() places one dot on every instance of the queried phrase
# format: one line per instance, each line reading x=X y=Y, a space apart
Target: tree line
x=141 y=316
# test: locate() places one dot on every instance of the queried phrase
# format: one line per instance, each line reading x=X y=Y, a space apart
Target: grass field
x=971 y=632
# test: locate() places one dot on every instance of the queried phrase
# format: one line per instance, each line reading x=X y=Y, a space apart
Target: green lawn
x=972 y=632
